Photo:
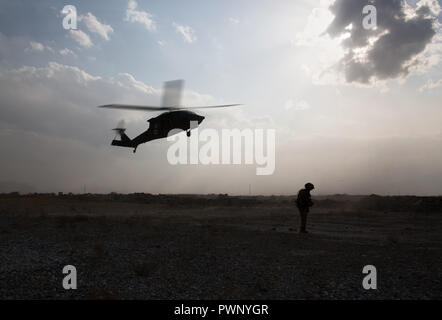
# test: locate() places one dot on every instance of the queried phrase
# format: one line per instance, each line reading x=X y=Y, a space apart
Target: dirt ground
x=182 y=248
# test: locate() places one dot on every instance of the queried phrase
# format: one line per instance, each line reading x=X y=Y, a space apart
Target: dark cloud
x=402 y=33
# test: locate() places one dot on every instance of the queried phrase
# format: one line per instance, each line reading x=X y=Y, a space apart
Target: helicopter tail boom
x=124 y=141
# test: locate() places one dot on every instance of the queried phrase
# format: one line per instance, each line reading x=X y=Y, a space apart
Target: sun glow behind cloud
x=323 y=50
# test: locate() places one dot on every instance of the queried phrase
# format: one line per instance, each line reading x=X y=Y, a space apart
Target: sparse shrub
x=99 y=251
x=393 y=239
x=62 y=221
x=43 y=213
x=130 y=221
x=80 y=218
x=101 y=293
x=144 y=268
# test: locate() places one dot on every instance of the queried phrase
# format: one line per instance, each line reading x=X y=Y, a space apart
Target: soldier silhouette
x=304 y=202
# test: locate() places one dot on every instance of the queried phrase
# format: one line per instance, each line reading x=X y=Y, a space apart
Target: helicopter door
x=156 y=127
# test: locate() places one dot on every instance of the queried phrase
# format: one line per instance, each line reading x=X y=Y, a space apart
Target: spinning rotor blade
x=138 y=108
x=119 y=129
x=121 y=125
x=171 y=100
x=172 y=93
x=152 y=108
x=211 y=107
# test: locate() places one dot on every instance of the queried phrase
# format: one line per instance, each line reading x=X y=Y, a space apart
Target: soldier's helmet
x=309 y=186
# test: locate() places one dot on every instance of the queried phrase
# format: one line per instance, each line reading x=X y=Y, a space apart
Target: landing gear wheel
x=188 y=133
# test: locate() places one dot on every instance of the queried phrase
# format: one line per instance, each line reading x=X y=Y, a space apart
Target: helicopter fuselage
x=161 y=127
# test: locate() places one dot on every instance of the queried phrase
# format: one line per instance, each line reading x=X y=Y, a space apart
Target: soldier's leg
x=301 y=215
x=303 y=212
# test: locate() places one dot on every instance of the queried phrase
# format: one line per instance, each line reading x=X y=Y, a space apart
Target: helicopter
x=175 y=117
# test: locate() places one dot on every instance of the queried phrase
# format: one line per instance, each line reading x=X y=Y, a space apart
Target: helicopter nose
x=200 y=119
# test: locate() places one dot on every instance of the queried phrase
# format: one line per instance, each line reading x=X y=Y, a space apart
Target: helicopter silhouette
x=175 y=117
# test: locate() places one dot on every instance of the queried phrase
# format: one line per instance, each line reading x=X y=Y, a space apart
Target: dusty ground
x=209 y=250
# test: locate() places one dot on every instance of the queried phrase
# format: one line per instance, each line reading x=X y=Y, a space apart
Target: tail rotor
x=120 y=129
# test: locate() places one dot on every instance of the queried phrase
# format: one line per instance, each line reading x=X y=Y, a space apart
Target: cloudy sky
x=355 y=111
